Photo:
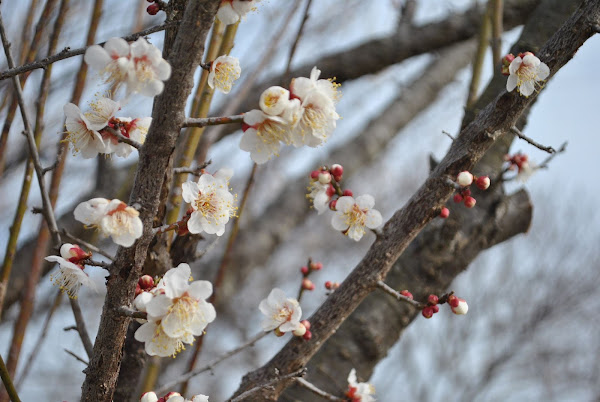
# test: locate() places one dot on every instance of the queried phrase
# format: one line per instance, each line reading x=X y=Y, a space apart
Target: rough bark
x=492 y=122
x=168 y=116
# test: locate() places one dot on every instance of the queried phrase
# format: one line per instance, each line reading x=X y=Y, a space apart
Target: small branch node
x=522 y=136
x=449 y=135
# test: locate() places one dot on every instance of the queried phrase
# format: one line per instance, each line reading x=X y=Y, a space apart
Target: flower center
x=356 y=217
x=225 y=75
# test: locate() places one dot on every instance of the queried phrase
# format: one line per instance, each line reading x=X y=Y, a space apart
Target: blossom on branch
x=224 y=70
x=359 y=391
x=70 y=276
x=211 y=201
x=263 y=135
x=177 y=311
x=83 y=129
x=138 y=65
x=281 y=313
x=172 y=397
x=231 y=11
x=353 y=216
x=113 y=218
x=526 y=71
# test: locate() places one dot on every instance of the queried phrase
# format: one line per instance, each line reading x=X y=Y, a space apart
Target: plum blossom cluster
x=282 y=314
x=71 y=275
x=304 y=115
x=352 y=216
x=463 y=191
x=359 y=391
x=177 y=311
x=95 y=132
x=231 y=11
x=112 y=218
x=212 y=204
x=521 y=163
x=139 y=66
x=526 y=72
x=172 y=397
x=457 y=305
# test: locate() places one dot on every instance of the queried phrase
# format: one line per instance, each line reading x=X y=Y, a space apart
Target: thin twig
x=212 y=121
x=129 y=312
x=448 y=134
x=80 y=324
x=167 y=228
x=243 y=395
x=66 y=53
x=8 y=384
x=122 y=138
x=296 y=41
x=50 y=168
x=312 y=388
x=76 y=356
x=544 y=164
x=209 y=366
x=87 y=245
x=197 y=171
x=522 y=136
x=453 y=184
x=399 y=296
x=96 y=263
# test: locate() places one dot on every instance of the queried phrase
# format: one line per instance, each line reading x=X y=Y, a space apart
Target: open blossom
x=138 y=65
x=224 y=70
x=113 y=218
x=263 y=135
x=281 y=312
x=172 y=397
x=353 y=216
x=526 y=71
x=359 y=391
x=177 y=311
x=83 y=129
x=211 y=201
x=70 y=276
x=320 y=194
x=231 y=11
x=135 y=129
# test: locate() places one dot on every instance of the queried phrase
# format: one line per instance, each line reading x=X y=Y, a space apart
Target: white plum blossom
x=83 y=129
x=525 y=74
x=113 y=218
x=359 y=391
x=302 y=87
x=196 y=398
x=281 y=312
x=353 y=216
x=139 y=65
x=274 y=100
x=319 y=193
x=177 y=311
x=211 y=201
x=460 y=307
x=263 y=135
x=149 y=397
x=70 y=276
x=224 y=70
x=231 y=11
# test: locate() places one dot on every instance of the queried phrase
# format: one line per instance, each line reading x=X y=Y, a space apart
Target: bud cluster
x=324 y=185
x=171 y=396
x=306 y=270
x=457 y=305
x=463 y=181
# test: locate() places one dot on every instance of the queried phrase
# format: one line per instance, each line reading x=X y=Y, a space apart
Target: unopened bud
x=432 y=300
x=171 y=395
x=330 y=191
x=464 y=178
x=304 y=270
x=348 y=193
x=470 y=202
x=427 y=312
x=306 y=323
x=149 y=397
x=146 y=282
x=483 y=182
x=458 y=198
x=506 y=60
x=435 y=308
x=466 y=192
x=337 y=170
x=332 y=204
x=315 y=174
x=444 y=213
x=324 y=177
x=153 y=9
x=461 y=308
x=316 y=266
x=300 y=331
x=307 y=336
x=138 y=289
x=453 y=301
x=406 y=293
x=307 y=284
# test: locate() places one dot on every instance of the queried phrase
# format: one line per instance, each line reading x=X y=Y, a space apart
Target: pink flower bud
x=332 y=204
x=436 y=309
x=304 y=270
x=324 y=177
x=444 y=213
x=307 y=284
x=306 y=323
x=330 y=191
x=300 y=331
x=153 y=9
x=427 y=312
x=316 y=266
x=138 y=289
x=461 y=308
x=458 y=198
x=348 y=193
x=464 y=178
x=337 y=170
x=315 y=174
x=307 y=336
x=506 y=60
x=328 y=285
x=466 y=192
x=406 y=293
x=483 y=182
x=432 y=300
x=470 y=202
x=146 y=282
x=453 y=301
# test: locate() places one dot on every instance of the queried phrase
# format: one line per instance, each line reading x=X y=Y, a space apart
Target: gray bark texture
x=492 y=122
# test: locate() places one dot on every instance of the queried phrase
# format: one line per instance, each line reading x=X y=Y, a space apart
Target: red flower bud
x=306 y=323
x=153 y=9
x=432 y=300
x=470 y=202
x=444 y=213
x=435 y=308
x=406 y=293
x=315 y=174
x=348 y=193
x=483 y=182
x=316 y=266
x=453 y=301
x=337 y=170
x=330 y=191
x=458 y=198
x=146 y=282
x=332 y=204
x=427 y=312
x=307 y=284
x=307 y=335
x=304 y=270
